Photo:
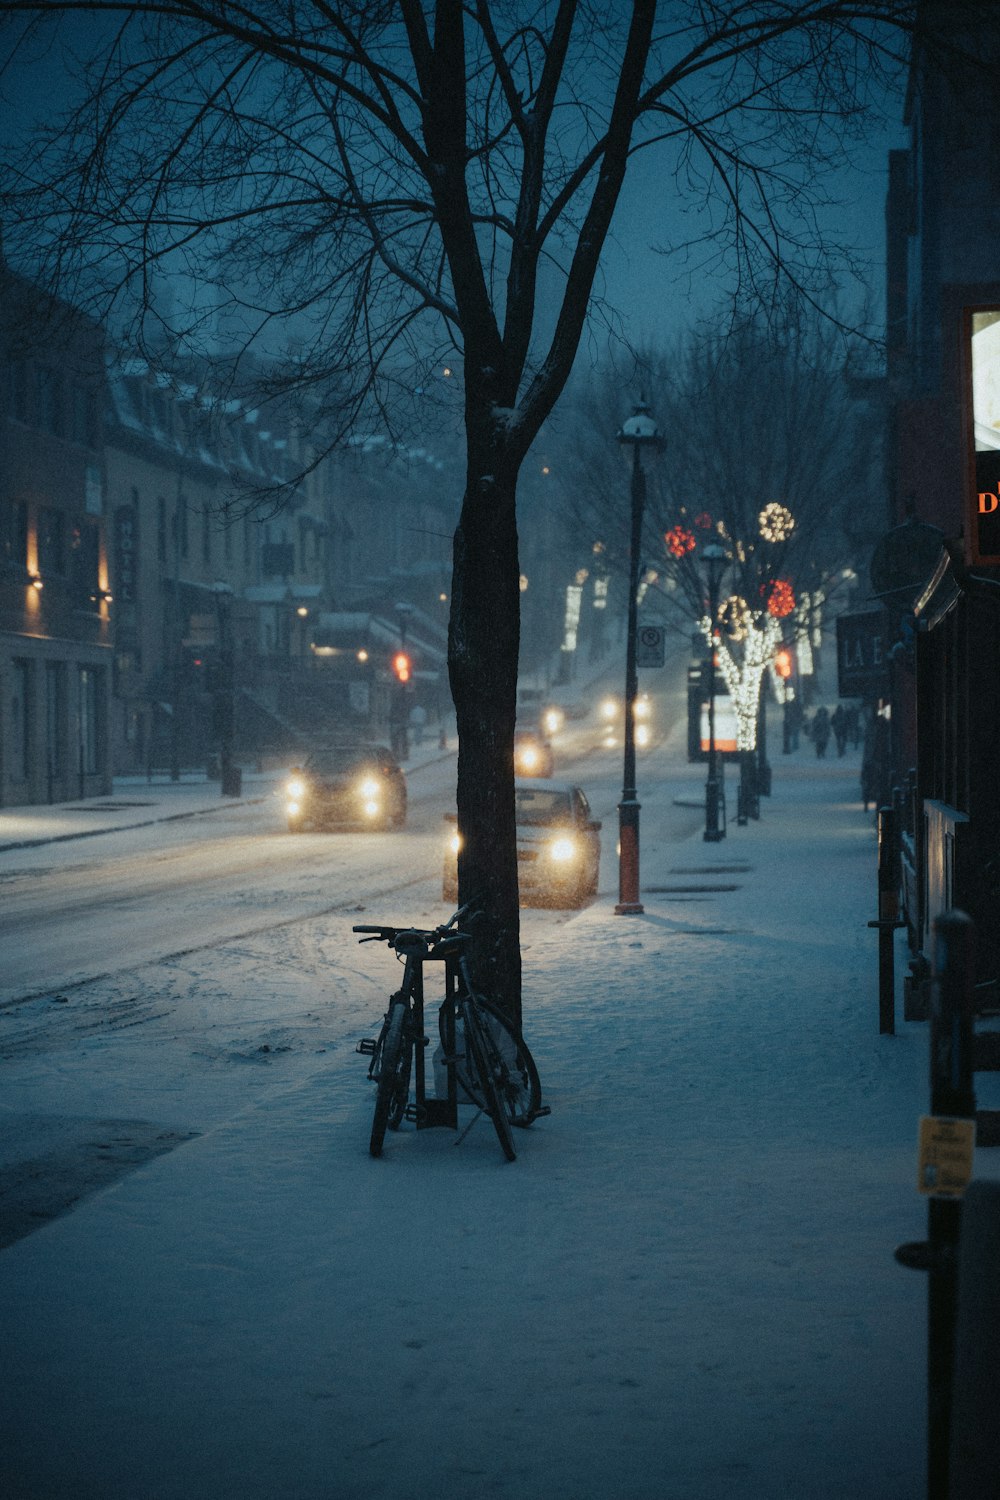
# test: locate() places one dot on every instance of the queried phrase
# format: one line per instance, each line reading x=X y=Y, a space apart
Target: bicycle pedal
x=413 y=1113
x=367 y=1046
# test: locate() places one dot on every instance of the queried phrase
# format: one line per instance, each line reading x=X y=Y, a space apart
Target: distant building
x=55 y=599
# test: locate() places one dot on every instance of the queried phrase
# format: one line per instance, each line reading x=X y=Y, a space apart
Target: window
x=13 y=534
x=51 y=541
x=49 y=390
x=55 y=716
x=84 y=560
x=84 y=418
x=181 y=526
x=19 y=390
x=89 y=720
x=20 y=719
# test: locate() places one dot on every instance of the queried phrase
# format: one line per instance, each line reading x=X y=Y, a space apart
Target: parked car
x=346 y=786
x=532 y=753
x=558 y=846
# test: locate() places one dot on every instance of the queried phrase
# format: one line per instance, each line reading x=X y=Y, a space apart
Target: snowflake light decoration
x=776 y=522
x=679 y=541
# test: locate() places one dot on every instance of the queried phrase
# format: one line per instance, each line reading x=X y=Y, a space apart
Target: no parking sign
x=649 y=648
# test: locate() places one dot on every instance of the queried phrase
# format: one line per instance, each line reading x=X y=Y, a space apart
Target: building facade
x=55 y=599
x=940 y=590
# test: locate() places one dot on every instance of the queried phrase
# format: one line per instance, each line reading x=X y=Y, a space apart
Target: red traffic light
x=401 y=666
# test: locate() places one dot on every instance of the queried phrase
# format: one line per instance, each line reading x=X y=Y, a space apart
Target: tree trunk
x=483 y=640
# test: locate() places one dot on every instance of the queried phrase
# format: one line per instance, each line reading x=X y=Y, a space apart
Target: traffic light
x=784 y=662
x=401 y=666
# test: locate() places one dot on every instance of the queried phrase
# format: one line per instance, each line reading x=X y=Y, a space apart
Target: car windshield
x=340 y=761
x=542 y=806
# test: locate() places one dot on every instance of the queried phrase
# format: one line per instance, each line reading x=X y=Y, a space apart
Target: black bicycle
x=488 y=1061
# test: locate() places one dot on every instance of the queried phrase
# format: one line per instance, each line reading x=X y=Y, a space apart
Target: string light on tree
x=776 y=522
x=780 y=597
x=734 y=616
x=679 y=541
x=743 y=678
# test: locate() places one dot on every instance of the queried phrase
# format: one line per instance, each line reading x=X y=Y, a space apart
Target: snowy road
x=75 y=912
x=72 y=913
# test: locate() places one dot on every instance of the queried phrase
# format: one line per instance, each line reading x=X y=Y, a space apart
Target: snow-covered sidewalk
x=684 y=1289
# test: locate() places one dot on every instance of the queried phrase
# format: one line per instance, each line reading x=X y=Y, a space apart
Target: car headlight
x=528 y=756
x=455 y=843
x=643 y=708
x=563 y=850
x=293 y=809
x=369 y=789
x=554 y=720
x=296 y=789
x=642 y=734
x=371 y=809
x=609 y=708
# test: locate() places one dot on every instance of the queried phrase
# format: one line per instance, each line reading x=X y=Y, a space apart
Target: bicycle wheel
x=483 y=1056
x=393 y=1077
x=518 y=1077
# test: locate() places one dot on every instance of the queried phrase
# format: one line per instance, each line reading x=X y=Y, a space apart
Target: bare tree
x=391 y=183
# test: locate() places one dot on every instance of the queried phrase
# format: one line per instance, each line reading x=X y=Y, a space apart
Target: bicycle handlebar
x=430 y=936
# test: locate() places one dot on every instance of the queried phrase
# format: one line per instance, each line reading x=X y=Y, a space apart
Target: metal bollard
x=888 y=917
x=953 y=1106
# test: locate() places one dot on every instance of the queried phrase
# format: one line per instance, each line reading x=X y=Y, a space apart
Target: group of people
x=844 y=724
x=848 y=725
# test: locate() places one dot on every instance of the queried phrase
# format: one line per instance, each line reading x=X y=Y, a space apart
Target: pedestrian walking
x=838 y=723
x=821 y=732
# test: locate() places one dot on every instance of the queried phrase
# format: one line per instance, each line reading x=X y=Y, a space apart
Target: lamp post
x=637 y=432
x=715 y=559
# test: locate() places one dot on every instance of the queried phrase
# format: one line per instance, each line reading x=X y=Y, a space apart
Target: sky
x=652 y=294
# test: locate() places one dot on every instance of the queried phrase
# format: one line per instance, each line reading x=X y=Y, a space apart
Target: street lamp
x=716 y=560
x=637 y=432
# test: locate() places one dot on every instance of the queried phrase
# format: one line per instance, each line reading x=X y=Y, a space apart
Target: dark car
x=558 y=846
x=346 y=786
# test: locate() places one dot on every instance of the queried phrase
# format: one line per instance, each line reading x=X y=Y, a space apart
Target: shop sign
x=862 y=654
x=982 y=407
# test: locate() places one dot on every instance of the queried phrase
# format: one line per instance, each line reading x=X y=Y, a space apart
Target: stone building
x=55 y=599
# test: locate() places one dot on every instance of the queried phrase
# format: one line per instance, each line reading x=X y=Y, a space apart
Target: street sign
x=649 y=647
x=945 y=1155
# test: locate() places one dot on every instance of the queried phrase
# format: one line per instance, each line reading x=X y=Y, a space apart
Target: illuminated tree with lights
x=767 y=452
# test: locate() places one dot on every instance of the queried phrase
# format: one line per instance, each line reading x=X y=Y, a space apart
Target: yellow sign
x=945 y=1155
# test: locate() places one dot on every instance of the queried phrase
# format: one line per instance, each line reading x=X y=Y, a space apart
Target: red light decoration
x=704 y=520
x=780 y=597
x=679 y=541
